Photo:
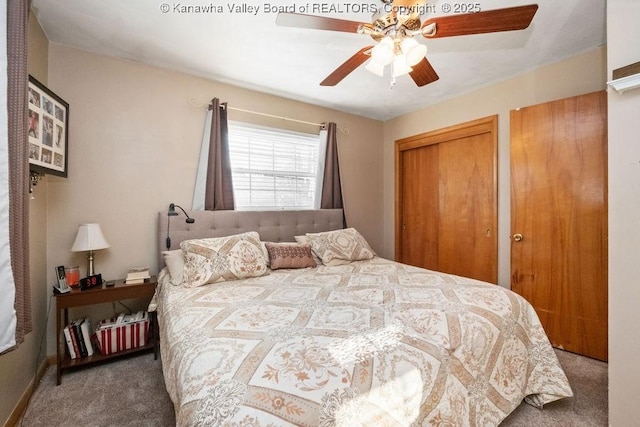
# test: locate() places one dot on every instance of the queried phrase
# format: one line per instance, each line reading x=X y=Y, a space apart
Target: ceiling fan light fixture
x=383 y=51
x=413 y=50
x=393 y=29
x=375 y=67
x=400 y=66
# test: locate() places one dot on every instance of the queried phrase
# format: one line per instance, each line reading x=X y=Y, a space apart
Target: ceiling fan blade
x=423 y=73
x=347 y=67
x=508 y=19
x=300 y=20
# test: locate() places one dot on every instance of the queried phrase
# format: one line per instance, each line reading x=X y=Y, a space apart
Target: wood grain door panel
x=558 y=204
x=420 y=178
x=466 y=245
x=446 y=206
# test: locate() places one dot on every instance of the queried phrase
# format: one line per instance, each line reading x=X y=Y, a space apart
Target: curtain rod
x=194 y=104
x=321 y=125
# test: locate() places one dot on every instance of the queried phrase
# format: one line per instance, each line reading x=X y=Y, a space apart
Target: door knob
x=517 y=237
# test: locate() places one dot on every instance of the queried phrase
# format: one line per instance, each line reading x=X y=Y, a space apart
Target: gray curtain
x=219 y=184
x=331 y=187
x=17 y=77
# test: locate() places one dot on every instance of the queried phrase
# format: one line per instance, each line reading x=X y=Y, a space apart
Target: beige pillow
x=336 y=247
x=223 y=258
x=174 y=260
x=264 y=251
x=290 y=255
x=304 y=241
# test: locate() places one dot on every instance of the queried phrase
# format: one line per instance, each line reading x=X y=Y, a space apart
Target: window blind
x=272 y=168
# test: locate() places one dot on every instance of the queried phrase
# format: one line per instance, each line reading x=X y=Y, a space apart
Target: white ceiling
x=249 y=50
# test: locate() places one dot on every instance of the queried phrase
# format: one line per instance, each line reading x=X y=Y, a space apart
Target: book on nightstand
x=77 y=334
x=85 y=329
x=137 y=275
x=70 y=342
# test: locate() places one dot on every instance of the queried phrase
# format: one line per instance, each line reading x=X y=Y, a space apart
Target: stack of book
x=137 y=275
x=79 y=338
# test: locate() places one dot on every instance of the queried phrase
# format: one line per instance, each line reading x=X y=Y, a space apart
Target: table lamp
x=89 y=238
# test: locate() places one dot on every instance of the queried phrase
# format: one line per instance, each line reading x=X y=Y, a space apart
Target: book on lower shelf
x=137 y=275
x=75 y=327
x=71 y=346
x=85 y=329
x=77 y=334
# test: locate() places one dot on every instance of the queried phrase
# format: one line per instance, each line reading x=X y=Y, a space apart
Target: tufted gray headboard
x=273 y=226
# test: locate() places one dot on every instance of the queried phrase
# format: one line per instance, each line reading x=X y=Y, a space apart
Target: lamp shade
x=382 y=53
x=375 y=67
x=89 y=238
x=400 y=66
x=413 y=50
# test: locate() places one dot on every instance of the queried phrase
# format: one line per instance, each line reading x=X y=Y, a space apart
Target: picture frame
x=48 y=130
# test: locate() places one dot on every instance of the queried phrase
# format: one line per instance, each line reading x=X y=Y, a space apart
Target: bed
x=355 y=340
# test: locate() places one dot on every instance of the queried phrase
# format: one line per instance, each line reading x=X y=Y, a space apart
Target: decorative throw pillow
x=303 y=240
x=336 y=247
x=174 y=260
x=223 y=258
x=290 y=255
x=264 y=251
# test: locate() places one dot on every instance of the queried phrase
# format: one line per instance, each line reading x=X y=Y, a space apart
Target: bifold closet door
x=446 y=207
x=559 y=218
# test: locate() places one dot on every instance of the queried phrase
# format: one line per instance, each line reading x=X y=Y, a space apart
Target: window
x=273 y=168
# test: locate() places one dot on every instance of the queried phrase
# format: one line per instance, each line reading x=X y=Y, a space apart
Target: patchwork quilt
x=368 y=343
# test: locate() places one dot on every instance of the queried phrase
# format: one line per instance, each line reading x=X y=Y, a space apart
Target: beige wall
x=18 y=368
x=548 y=83
x=624 y=220
x=134 y=145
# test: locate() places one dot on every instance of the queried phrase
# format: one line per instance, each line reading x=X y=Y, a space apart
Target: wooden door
x=559 y=218
x=446 y=207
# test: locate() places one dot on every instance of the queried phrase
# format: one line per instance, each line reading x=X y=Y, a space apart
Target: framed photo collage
x=47 y=127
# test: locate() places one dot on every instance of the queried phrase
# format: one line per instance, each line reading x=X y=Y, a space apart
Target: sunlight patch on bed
x=365 y=345
x=396 y=402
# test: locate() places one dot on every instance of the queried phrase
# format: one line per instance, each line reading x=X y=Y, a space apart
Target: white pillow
x=304 y=241
x=223 y=258
x=174 y=260
x=340 y=246
x=266 y=253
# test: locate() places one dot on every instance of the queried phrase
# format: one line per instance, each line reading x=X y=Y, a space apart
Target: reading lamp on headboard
x=172 y=212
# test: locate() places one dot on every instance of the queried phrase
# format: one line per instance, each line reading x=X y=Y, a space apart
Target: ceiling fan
x=394 y=27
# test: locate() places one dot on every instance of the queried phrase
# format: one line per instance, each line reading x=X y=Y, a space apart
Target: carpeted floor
x=124 y=392
x=589 y=406
x=131 y=392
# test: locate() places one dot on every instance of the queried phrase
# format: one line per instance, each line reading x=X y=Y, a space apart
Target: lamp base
x=90 y=256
